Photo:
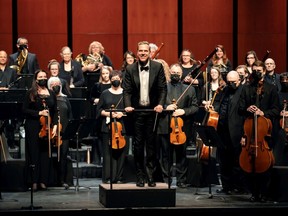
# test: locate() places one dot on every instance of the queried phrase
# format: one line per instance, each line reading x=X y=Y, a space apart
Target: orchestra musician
x=64 y=115
x=115 y=126
x=221 y=60
x=280 y=150
x=144 y=87
x=25 y=61
x=230 y=131
x=261 y=99
x=70 y=69
x=54 y=68
x=39 y=102
x=8 y=76
x=186 y=107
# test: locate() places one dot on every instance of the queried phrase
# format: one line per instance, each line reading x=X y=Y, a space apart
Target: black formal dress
x=107 y=99
x=37 y=149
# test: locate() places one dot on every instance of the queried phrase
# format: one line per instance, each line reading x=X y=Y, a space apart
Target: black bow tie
x=146 y=68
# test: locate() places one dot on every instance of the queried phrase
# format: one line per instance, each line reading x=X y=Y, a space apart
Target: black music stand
x=210 y=137
x=31 y=207
x=79 y=128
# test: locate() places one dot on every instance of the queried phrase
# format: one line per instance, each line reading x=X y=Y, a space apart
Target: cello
x=212 y=117
x=256 y=156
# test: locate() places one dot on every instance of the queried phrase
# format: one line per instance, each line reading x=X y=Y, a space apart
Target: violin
x=256 y=156
x=284 y=119
x=118 y=140
x=177 y=136
x=45 y=130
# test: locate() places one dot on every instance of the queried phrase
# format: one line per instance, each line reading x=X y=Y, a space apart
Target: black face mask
x=42 y=82
x=256 y=75
x=232 y=86
x=284 y=86
x=56 y=89
x=175 y=78
x=241 y=77
x=23 y=46
x=115 y=83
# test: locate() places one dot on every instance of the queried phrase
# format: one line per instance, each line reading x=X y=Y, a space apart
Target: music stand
x=78 y=128
x=210 y=137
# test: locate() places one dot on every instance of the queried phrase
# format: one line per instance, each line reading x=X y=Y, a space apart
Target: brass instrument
x=90 y=59
x=21 y=59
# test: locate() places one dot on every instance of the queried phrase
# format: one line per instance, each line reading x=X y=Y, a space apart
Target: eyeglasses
x=250 y=57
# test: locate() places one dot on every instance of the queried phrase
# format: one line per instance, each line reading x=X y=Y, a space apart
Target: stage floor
x=85 y=197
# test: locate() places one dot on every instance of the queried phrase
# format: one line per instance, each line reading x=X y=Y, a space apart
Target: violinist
x=183 y=110
x=64 y=115
x=229 y=129
x=281 y=149
x=112 y=96
x=261 y=99
x=39 y=102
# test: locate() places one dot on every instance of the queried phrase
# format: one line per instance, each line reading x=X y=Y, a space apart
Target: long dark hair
x=34 y=86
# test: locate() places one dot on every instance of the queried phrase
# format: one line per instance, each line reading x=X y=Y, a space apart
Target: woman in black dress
x=39 y=104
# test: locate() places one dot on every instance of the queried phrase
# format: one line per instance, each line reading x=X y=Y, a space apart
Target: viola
x=177 y=136
x=118 y=140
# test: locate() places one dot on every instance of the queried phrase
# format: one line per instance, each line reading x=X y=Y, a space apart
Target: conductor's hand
x=158 y=108
x=129 y=109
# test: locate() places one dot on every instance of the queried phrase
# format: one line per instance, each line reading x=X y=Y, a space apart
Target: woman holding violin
x=64 y=114
x=259 y=103
x=39 y=103
x=174 y=126
x=112 y=129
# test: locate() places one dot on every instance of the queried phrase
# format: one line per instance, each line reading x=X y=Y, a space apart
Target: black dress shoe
x=224 y=191
x=254 y=199
x=181 y=185
x=140 y=182
x=151 y=183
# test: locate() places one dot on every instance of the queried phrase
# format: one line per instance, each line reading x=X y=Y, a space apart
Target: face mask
x=241 y=77
x=115 y=83
x=175 y=78
x=42 y=82
x=232 y=86
x=284 y=87
x=56 y=89
x=256 y=75
x=23 y=46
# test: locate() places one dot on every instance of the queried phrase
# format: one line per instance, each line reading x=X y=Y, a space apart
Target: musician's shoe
x=224 y=191
x=151 y=183
x=140 y=182
x=42 y=186
x=254 y=199
x=181 y=185
x=34 y=187
x=65 y=185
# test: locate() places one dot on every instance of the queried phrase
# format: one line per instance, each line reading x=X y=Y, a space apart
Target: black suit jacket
x=9 y=76
x=32 y=61
x=157 y=85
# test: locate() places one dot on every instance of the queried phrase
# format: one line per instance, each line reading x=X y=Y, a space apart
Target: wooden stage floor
x=85 y=198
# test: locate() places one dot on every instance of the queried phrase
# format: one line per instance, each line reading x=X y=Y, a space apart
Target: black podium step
x=128 y=195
